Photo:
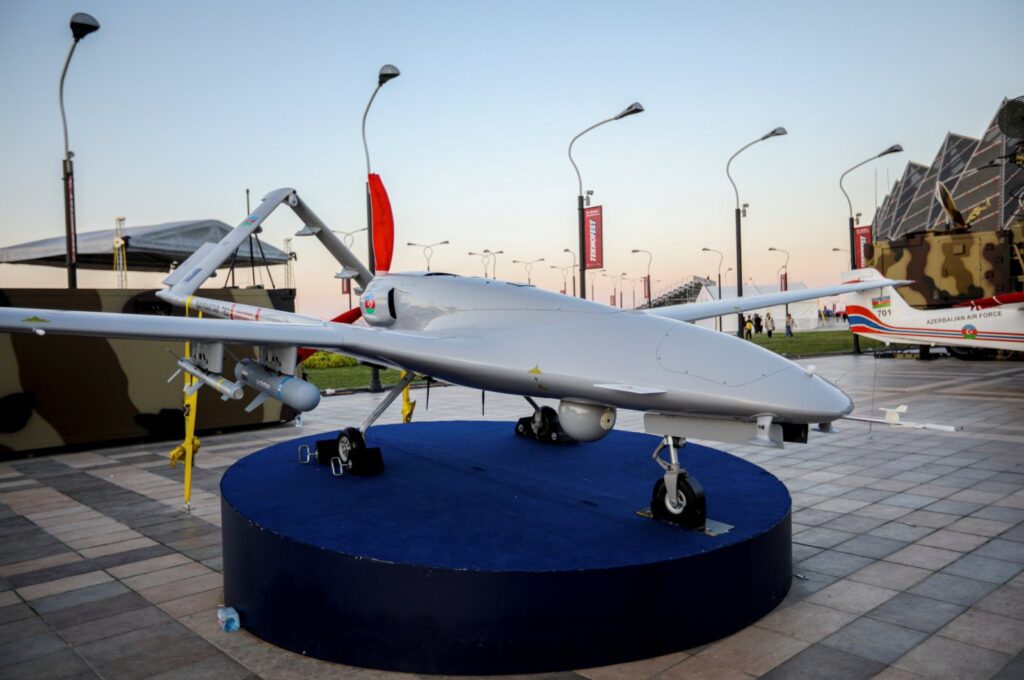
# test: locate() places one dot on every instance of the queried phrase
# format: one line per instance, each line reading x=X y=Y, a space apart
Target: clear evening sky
x=175 y=108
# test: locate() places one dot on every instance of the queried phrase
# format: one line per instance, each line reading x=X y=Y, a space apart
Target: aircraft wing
x=695 y=311
x=144 y=327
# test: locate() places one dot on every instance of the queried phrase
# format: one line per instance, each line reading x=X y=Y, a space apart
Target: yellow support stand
x=408 y=405
x=190 y=446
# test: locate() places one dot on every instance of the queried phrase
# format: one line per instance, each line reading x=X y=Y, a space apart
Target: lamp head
x=443 y=243
x=705 y=250
x=895 y=148
x=635 y=107
x=387 y=72
x=777 y=132
x=83 y=24
x=772 y=249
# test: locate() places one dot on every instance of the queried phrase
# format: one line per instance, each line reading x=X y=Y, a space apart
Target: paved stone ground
x=908 y=546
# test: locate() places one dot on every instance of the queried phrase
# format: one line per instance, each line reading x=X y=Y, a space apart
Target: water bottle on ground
x=227 y=618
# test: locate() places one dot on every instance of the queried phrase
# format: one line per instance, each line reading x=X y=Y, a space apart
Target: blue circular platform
x=480 y=552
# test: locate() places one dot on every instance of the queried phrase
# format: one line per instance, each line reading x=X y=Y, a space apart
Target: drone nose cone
x=804 y=397
x=833 y=401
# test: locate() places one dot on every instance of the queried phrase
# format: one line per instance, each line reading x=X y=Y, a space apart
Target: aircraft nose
x=813 y=399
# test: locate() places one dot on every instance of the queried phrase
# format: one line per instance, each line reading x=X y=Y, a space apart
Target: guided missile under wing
x=512 y=338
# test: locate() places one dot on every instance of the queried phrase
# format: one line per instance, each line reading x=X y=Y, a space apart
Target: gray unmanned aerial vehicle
x=503 y=337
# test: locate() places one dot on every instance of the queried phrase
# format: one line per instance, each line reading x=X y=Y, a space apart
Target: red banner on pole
x=346 y=286
x=593 y=239
x=784 y=281
x=647 y=288
x=862 y=244
x=612 y=300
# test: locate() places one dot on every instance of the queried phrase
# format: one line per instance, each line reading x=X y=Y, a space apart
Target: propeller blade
x=383 y=225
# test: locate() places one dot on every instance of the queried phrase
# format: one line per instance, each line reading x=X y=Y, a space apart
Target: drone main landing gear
x=543 y=425
x=677 y=497
x=349 y=452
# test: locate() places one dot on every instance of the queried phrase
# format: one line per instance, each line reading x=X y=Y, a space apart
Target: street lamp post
x=635 y=107
x=777 y=132
x=721 y=258
x=784 y=267
x=494 y=261
x=82 y=24
x=387 y=72
x=650 y=258
x=485 y=257
x=567 y=271
x=572 y=270
x=428 y=250
x=528 y=265
x=727 y=272
x=895 y=148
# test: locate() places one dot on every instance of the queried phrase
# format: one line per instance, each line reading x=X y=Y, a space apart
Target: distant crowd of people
x=755 y=325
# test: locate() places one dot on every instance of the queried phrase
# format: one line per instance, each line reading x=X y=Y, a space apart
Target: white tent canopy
x=152 y=248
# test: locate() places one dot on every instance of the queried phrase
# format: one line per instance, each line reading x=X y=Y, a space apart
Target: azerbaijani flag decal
x=369 y=304
x=881 y=302
x=969 y=332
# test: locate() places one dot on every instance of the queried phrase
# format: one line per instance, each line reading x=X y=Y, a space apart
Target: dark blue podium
x=479 y=552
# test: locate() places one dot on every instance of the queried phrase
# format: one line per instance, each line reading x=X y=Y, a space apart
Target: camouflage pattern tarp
x=66 y=391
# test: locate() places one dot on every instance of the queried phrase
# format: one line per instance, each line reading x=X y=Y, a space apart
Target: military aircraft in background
x=992 y=323
x=496 y=336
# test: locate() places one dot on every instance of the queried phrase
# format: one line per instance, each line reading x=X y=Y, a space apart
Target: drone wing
x=695 y=311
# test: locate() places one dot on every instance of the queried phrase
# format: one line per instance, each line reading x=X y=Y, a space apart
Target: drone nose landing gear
x=677 y=497
x=543 y=425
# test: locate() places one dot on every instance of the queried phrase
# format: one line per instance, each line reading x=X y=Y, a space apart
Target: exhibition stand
x=479 y=552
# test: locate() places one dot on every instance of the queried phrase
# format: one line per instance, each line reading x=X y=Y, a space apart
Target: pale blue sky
x=175 y=108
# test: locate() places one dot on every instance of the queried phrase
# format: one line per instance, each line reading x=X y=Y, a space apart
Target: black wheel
x=545 y=423
x=689 y=510
x=349 y=440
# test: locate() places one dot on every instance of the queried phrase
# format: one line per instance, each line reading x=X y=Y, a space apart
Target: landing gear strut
x=677 y=497
x=349 y=452
x=543 y=425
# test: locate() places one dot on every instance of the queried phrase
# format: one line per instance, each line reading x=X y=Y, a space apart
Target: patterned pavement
x=908 y=546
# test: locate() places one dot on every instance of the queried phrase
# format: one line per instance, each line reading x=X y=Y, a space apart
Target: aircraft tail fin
x=864 y=306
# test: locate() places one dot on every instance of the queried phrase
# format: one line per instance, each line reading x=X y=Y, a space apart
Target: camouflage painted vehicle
x=65 y=391
x=948 y=268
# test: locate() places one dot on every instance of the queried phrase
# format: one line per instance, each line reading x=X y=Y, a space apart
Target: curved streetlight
x=721 y=258
x=387 y=72
x=528 y=264
x=633 y=108
x=727 y=272
x=650 y=258
x=777 y=132
x=428 y=250
x=82 y=24
x=494 y=261
x=573 y=268
x=895 y=148
x=485 y=257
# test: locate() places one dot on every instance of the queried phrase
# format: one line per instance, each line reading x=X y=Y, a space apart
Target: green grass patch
x=349 y=377
x=813 y=343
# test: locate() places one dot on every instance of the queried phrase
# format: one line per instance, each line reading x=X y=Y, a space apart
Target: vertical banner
x=346 y=286
x=647 y=288
x=862 y=244
x=593 y=241
x=784 y=280
x=612 y=300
